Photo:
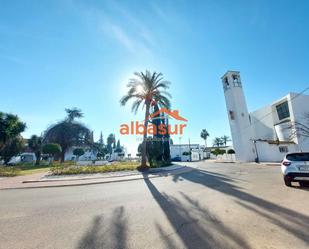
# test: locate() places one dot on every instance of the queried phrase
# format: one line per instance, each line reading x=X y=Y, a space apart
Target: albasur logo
x=139 y=128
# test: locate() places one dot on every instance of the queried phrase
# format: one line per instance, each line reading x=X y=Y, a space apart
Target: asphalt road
x=215 y=206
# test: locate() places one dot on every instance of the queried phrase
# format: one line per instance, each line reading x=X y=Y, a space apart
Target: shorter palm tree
x=225 y=139
x=35 y=144
x=217 y=142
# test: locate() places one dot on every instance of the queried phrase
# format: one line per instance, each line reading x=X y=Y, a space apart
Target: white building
x=186 y=152
x=264 y=134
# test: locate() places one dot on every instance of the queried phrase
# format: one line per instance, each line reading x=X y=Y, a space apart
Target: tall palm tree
x=205 y=135
x=147 y=89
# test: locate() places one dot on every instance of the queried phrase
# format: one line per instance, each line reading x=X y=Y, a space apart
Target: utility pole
x=190 y=150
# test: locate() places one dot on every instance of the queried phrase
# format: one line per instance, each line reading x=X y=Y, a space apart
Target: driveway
x=218 y=205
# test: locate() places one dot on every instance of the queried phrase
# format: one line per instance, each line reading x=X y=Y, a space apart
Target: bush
x=73 y=169
x=52 y=149
x=78 y=152
x=231 y=151
x=218 y=151
x=9 y=171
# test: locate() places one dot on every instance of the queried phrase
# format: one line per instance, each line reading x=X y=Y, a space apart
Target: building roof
x=229 y=72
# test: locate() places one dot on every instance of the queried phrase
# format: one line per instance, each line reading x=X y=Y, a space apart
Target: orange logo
x=139 y=128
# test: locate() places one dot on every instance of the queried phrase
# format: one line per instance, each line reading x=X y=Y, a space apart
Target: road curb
x=162 y=174
x=151 y=171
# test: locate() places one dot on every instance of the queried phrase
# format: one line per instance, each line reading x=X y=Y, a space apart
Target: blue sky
x=56 y=54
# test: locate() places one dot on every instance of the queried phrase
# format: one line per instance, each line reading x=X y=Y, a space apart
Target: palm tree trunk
x=144 y=148
x=62 y=156
x=38 y=158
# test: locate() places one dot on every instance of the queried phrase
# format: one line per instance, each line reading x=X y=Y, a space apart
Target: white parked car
x=22 y=158
x=295 y=168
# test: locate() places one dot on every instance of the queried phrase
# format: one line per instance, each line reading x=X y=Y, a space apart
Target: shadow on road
x=194 y=225
x=285 y=218
x=111 y=235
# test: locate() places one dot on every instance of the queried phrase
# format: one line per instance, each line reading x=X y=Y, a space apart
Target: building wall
x=263 y=124
x=271 y=153
x=239 y=118
x=300 y=107
x=178 y=150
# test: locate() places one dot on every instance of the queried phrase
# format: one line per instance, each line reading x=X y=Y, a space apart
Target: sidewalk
x=43 y=180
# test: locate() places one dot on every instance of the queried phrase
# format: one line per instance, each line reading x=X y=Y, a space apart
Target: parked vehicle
x=295 y=168
x=23 y=158
x=176 y=159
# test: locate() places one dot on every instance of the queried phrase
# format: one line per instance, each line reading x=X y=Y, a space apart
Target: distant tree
x=102 y=152
x=51 y=149
x=225 y=139
x=10 y=127
x=10 y=139
x=78 y=152
x=35 y=144
x=147 y=89
x=118 y=144
x=101 y=140
x=73 y=114
x=205 y=135
x=68 y=133
x=110 y=142
x=217 y=152
x=231 y=151
x=217 y=142
x=12 y=148
x=114 y=144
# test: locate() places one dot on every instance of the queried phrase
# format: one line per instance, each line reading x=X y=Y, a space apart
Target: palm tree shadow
x=288 y=219
x=113 y=235
x=193 y=231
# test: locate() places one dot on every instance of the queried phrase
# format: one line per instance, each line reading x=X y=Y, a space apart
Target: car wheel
x=287 y=181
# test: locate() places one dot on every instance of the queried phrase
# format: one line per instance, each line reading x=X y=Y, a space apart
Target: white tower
x=239 y=117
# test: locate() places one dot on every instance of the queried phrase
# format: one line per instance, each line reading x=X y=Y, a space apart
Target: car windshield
x=298 y=157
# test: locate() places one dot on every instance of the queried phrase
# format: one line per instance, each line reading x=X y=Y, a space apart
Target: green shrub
x=74 y=169
x=9 y=171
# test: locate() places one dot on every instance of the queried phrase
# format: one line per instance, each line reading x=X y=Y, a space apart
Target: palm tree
x=147 y=89
x=225 y=139
x=35 y=144
x=73 y=113
x=217 y=142
x=205 y=135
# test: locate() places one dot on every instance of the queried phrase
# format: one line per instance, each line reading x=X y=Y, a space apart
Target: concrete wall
x=270 y=152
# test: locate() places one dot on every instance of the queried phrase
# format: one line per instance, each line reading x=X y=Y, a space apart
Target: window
x=232 y=115
x=226 y=84
x=296 y=157
x=283 y=149
x=236 y=80
x=283 y=110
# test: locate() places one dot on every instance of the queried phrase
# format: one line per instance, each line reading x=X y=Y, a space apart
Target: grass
x=27 y=169
x=69 y=168
x=9 y=171
x=74 y=169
